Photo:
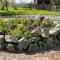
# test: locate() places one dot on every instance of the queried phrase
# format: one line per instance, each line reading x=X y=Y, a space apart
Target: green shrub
x=15 y=7
x=35 y=24
x=1 y=22
x=27 y=34
x=3 y=30
x=17 y=33
x=11 y=24
x=20 y=26
x=46 y=23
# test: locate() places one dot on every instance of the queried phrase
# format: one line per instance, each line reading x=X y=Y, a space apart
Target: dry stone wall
x=36 y=42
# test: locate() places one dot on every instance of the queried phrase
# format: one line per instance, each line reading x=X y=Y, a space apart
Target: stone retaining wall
x=39 y=40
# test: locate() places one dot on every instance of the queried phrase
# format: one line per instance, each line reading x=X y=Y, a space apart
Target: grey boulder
x=2 y=39
x=22 y=44
x=36 y=32
x=10 y=48
x=33 y=48
x=35 y=39
x=8 y=38
x=55 y=30
x=1 y=46
x=45 y=32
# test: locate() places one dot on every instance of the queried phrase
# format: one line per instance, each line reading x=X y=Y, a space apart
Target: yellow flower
x=20 y=25
x=45 y=23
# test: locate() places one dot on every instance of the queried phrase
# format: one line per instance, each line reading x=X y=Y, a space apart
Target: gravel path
x=52 y=55
x=52 y=17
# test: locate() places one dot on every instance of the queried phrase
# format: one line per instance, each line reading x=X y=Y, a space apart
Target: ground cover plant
x=21 y=27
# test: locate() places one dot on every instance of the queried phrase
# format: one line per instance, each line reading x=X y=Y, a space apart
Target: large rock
x=36 y=32
x=10 y=48
x=8 y=38
x=22 y=44
x=58 y=25
x=56 y=22
x=1 y=46
x=42 y=45
x=14 y=39
x=33 y=48
x=55 y=30
x=58 y=36
x=45 y=32
x=35 y=39
x=50 y=41
x=1 y=39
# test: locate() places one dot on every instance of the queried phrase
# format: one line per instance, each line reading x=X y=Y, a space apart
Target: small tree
x=6 y=4
x=57 y=2
x=43 y=1
x=2 y=4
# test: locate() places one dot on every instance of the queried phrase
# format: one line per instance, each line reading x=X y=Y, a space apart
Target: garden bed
x=28 y=34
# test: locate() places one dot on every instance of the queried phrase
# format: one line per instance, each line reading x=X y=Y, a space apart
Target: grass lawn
x=28 y=12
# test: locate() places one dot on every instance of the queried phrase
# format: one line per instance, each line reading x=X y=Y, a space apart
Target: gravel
x=52 y=55
x=52 y=17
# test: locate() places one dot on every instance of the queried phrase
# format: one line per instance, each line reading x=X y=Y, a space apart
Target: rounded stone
x=8 y=38
x=2 y=39
x=33 y=47
x=1 y=46
x=35 y=39
x=22 y=44
x=10 y=48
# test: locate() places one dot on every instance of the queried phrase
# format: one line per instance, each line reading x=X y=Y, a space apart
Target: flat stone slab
x=55 y=30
